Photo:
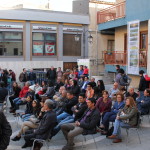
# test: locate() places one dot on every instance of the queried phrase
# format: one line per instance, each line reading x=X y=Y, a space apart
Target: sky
x=57 y=5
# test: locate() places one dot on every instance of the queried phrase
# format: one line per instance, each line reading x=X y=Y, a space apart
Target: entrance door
x=69 y=65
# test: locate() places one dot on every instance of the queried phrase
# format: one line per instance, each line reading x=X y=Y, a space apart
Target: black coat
x=70 y=103
x=5 y=132
x=75 y=90
x=51 y=74
x=91 y=121
x=3 y=77
x=29 y=108
x=143 y=84
x=58 y=85
x=46 y=124
x=81 y=109
x=3 y=94
x=32 y=76
x=16 y=91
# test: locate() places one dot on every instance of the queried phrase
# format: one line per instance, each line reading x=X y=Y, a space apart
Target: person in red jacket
x=21 y=95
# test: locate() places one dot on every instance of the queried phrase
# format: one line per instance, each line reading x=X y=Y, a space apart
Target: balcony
x=120 y=58
x=111 y=13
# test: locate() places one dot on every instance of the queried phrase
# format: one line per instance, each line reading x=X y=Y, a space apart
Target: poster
x=50 y=48
x=38 y=48
x=133 y=47
x=84 y=62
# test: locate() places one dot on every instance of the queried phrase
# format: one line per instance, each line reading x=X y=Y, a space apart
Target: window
x=44 y=44
x=144 y=40
x=70 y=46
x=9 y=41
x=110 y=46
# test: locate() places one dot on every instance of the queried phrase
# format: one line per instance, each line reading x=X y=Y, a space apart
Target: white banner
x=133 y=47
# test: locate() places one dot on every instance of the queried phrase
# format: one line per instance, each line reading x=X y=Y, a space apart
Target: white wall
x=17 y=66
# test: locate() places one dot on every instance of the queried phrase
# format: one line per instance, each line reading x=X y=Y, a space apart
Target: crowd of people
x=75 y=104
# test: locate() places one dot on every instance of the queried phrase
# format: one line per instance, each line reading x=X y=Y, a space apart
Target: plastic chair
x=136 y=128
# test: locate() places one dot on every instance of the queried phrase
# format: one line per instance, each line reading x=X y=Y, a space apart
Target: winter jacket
x=91 y=121
x=143 y=84
x=23 y=77
x=130 y=115
x=5 y=132
x=23 y=91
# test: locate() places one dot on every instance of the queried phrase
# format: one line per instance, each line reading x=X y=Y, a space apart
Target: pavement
x=101 y=142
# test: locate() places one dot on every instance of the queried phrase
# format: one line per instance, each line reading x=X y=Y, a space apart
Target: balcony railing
x=120 y=58
x=111 y=13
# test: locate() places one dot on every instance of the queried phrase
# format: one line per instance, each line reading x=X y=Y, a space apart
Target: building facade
x=114 y=20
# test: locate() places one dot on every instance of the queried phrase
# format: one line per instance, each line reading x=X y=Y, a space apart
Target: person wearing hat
x=85 y=125
x=45 y=127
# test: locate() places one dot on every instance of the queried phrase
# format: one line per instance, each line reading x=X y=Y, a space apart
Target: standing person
x=127 y=117
x=23 y=78
x=59 y=72
x=142 y=84
x=117 y=69
x=5 y=132
x=11 y=79
x=12 y=75
x=3 y=92
x=51 y=75
x=3 y=77
x=80 y=72
x=32 y=77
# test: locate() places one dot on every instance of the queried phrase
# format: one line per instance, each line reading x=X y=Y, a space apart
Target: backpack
x=123 y=80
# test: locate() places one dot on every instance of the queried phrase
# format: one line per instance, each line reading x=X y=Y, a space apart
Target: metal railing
x=120 y=58
x=111 y=13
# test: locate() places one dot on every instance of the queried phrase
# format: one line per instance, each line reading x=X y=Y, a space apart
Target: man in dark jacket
x=58 y=84
x=5 y=132
x=45 y=127
x=32 y=77
x=143 y=103
x=143 y=83
x=51 y=74
x=23 y=77
x=85 y=125
x=3 y=92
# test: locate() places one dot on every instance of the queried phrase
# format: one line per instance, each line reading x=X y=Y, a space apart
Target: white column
x=148 y=52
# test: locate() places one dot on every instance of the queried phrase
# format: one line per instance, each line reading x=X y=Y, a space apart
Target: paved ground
x=102 y=142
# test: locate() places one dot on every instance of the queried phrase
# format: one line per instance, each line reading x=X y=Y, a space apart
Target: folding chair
x=136 y=128
x=84 y=136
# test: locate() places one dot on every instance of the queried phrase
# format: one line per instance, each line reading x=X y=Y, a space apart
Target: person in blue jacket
x=111 y=116
x=143 y=103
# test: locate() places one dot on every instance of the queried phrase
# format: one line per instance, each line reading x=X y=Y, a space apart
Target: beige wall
x=99 y=41
x=120 y=32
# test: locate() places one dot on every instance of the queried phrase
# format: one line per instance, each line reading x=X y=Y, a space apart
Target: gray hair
x=49 y=103
x=130 y=87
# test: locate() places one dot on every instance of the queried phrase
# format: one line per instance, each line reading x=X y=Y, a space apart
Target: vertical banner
x=50 y=48
x=133 y=47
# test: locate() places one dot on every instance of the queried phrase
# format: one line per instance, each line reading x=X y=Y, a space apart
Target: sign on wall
x=133 y=47
x=50 y=48
x=38 y=48
x=44 y=28
x=11 y=26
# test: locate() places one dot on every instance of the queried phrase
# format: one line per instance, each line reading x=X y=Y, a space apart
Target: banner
x=50 y=48
x=38 y=48
x=133 y=47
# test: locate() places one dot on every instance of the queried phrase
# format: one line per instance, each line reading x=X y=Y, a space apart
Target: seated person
x=89 y=91
x=32 y=123
x=85 y=125
x=60 y=105
x=131 y=93
x=143 y=103
x=71 y=101
x=84 y=85
x=111 y=116
x=57 y=95
x=104 y=104
x=113 y=91
x=49 y=93
x=19 y=101
x=127 y=117
x=16 y=90
x=78 y=110
x=45 y=127
x=58 y=84
x=93 y=82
